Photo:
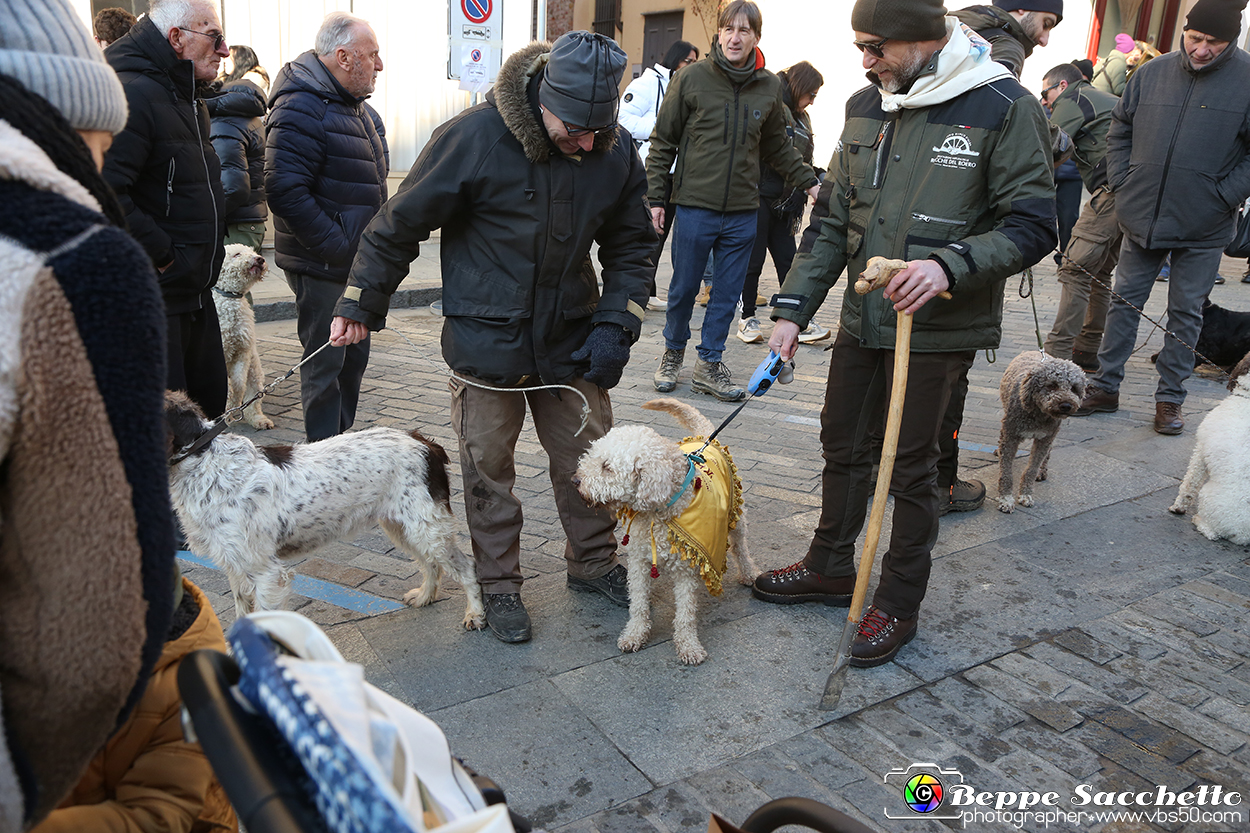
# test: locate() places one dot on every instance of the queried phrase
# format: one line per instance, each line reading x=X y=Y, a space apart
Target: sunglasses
x=874 y=48
x=1048 y=89
x=218 y=40
x=578 y=132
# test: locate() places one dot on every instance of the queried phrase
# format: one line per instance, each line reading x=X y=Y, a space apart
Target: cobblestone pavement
x=1094 y=639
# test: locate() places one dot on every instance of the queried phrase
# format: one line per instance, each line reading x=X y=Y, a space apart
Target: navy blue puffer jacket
x=239 y=139
x=325 y=170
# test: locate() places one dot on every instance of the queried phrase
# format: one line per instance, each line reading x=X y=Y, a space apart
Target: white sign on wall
x=475 y=32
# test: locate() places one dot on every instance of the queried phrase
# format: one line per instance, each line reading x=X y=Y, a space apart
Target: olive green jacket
x=1008 y=40
x=1084 y=113
x=719 y=131
x=966 y=183
x=1111 y=74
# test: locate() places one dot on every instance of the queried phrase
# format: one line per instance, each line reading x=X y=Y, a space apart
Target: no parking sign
x=475 y=32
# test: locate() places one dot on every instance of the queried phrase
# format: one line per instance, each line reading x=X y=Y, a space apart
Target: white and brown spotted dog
x=1038 y=393
x=634 y=470
x=1217 y=482
x=246 y=507
x=240 y=271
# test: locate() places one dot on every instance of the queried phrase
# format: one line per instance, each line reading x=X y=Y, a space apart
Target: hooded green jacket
x=966 y=183
x=1008 y=40
x=719 y=122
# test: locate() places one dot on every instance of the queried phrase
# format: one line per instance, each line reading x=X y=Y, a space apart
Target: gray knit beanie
x=581 y=82
x=903 y=20
x=47 y=48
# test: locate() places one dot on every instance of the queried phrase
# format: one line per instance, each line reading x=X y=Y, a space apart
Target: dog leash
x=1223 y=373
x=451 y=373
x=232 y=415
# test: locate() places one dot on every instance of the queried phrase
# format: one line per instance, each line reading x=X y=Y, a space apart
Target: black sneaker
x=507 y=617
x=963 y=496
x=612 y=585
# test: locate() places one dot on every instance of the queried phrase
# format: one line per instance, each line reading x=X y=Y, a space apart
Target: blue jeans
x=730 y=238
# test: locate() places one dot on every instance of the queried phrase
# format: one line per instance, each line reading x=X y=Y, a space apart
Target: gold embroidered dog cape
x=700 y=534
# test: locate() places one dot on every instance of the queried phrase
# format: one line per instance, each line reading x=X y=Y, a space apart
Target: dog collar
x=200 y=441
x=235 y=295
x=690 y=470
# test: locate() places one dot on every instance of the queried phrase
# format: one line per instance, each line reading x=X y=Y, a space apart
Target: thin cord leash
x=232 y=415
x=1223 y=373
x=1027 y=275
x=463 y=381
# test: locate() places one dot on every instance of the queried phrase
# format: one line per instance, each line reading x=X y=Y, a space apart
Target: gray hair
x=170 y=14
x=338 y=30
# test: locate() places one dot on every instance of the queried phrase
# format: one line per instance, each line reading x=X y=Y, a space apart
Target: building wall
x=559 y=18
x=630 y=36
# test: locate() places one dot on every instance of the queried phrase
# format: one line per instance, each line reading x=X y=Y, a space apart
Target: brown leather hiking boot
x=796 y=584
x=879 y=638
x=1098 y=401
x=1168 y=419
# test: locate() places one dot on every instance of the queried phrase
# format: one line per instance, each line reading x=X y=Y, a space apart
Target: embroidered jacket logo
x=955 y=152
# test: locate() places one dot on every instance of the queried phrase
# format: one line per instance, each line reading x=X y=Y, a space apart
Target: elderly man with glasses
x=522 y=186
x=168 y=180
x=942 y=163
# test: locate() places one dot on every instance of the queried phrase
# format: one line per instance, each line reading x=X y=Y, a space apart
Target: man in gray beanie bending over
x=522 y=185
x=912 y=179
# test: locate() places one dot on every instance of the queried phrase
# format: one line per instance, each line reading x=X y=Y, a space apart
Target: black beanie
x=904 y=20
x=1220 y=19
x=582 y=79
x=1055 y=7
x=1086 y=66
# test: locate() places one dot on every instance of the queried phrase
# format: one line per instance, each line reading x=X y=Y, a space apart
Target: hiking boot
x=1098 y=401
x=963 y=496
x=796 y=584
x=612 y=585
x=714 y=378
x=705 y=295
x=670 y=365
x=507 y=617
x=749 y=330
x=1168 y=418
x=813 y=332
x=1085 y=360
x=879 y=638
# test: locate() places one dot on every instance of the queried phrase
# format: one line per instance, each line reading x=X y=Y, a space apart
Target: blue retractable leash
x=772 y=369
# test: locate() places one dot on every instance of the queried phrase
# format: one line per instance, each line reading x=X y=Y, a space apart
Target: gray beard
x=905 y=77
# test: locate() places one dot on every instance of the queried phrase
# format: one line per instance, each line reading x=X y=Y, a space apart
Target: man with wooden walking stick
x=943 y=163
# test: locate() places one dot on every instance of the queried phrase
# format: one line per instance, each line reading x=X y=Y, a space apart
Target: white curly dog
x=636 y=472
x=1038 y=392
x=1218 y=478
x=240 y=271
x=246 y=508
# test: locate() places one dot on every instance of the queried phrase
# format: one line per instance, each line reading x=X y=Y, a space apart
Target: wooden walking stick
x=889 y=449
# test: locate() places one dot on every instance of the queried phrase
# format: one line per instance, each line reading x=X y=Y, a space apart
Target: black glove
x=607 y=348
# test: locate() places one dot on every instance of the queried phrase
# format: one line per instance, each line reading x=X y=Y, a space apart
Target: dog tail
x=689 y=416
x=436 y=474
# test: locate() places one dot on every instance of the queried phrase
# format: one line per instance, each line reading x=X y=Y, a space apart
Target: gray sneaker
x=507 y=617
x=670 y=366
x=714 y=378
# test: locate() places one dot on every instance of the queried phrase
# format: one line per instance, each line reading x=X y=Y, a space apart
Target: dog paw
x=1006 y=504
x=748 y=579
x=418 y=597
x=691 y=654
x=474 y=623
x=631 y=644
x=1041 y=475
x=1179 y=508
x=1025 y=500
x=262 y=423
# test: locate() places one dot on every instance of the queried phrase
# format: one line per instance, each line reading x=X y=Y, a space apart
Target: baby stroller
x=301 y=744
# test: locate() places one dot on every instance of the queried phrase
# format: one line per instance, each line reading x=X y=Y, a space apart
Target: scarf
x=963 y=64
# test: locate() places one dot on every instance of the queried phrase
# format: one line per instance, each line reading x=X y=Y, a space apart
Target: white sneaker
x=814 y=332
x=656 y=303
x=749 y=330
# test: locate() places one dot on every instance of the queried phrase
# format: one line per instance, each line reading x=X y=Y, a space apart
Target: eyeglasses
x=218 y=40
x=1048 y=89
x=874 y=48
x=578 y=132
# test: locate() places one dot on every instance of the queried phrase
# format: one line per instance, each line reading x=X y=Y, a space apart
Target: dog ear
x=1242 y=368
x=656 y=478
x=184 y=421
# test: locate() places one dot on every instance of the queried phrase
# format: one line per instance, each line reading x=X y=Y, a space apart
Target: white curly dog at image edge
x=1038 y=392
x=240 y=271
x=634 y=468
x=1218 y=478
x=246 y=507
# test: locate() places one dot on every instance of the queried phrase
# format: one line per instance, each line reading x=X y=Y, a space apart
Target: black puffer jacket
x=325 y=170
x=239 y=138
x=772 y=184
x=518 y=220
x=164 y=169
